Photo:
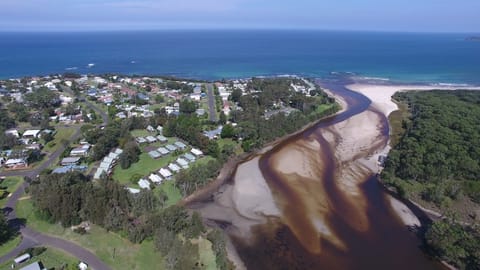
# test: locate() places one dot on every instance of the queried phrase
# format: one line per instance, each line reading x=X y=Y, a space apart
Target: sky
x=367 y=15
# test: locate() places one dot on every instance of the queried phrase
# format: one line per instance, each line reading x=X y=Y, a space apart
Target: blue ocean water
x=404 y=57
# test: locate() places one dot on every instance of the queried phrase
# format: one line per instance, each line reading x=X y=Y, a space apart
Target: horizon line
x=233 y=29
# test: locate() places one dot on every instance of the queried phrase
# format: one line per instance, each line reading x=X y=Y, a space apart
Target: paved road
x=32 y=238
x=90 y=105
x=211 y=103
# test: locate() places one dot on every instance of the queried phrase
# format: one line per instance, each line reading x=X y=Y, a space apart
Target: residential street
x=212 y=114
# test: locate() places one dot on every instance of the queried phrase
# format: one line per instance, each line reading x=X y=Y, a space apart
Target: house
x=31 y=134
x=150 y=129
x=160 y=129
x=162 y=139
x=70 y=161
x=163 y=151
x=118 y=151
x=196 y=152
x=182 y=162
x=171 y=147
x=165 y=173
x=67 y=169
x=33 y=266
x=98 y=174
x=16 y=163
x=81 y=151
x=144 y=184
x=12 y=132
x=154 y=154
x=156 y=179
x=132 y=191
x=33 y=146
x=180 y=145
x=213 y=134
x=141 y=140
x=151 y=139
x=174 y=167
x=189 y=157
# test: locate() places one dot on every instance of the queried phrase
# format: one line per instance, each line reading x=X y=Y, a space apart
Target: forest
x=437 y=161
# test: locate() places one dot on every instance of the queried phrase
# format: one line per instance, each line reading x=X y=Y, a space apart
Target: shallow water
x=321 y=226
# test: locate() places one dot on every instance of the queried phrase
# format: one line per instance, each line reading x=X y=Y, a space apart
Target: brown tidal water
x=346 y=240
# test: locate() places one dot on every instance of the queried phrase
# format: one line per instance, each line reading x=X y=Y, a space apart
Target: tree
x=223 y=118
x=130 y=154
x=43 y=98
x=236 y=94
x=228 y=131
x=5 y=231
x=187 y=106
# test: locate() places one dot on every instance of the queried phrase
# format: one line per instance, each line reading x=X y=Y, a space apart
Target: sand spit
x=381 y=95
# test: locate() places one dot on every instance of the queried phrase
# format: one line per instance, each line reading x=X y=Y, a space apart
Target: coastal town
x=161 y=136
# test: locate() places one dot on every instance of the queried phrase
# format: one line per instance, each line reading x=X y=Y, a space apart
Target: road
x=211 y=103
x=32 y=238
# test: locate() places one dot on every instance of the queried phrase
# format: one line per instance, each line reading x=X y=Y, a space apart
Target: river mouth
x=312 y=201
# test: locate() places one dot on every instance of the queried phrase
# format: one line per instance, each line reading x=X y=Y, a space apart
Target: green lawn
x=324 y=107
x=141 y=133
x=207 y=257
x=63 y=134
x=10 y=184
x=111 y=248
x=172 y=192
x=50 y=258
x=143 y=167
x=8 y=246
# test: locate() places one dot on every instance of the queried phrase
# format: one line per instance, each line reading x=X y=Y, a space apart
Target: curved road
x=32 y=238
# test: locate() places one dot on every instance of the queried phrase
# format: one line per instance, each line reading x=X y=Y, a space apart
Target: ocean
x=217 y=54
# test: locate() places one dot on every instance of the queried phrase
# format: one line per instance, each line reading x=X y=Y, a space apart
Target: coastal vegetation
x=437 y=163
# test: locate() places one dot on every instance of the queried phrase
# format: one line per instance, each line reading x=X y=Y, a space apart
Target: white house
x=156 y=179
x=16 y=163
x=165 y=173
x=144 y=184
x=196 y=152
x=31 y=133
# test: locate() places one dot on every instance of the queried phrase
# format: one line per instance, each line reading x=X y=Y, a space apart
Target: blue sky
x=376 y=15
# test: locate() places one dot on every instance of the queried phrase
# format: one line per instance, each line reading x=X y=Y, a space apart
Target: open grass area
x=324 y=107
x=50 y=258
x=63 y=134
x=111 y=248
x=172 y=192
x=141 y=133
x=8 y=246
x=207 y=257
x=143 y=167
x=7 y=186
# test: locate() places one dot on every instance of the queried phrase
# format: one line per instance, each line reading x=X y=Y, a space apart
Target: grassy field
x=10 y=184
x=141 y=133
x=143 y=167
x=207 y=257
x=63 y=134
x=111 y=248
x=172 y=192
x=50 y=258
x=8 y=246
